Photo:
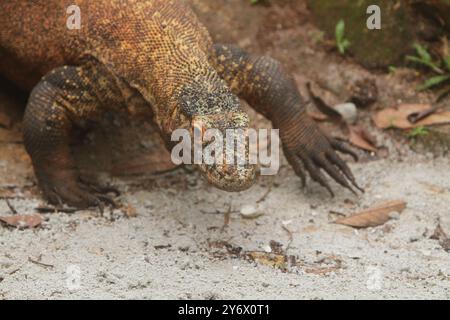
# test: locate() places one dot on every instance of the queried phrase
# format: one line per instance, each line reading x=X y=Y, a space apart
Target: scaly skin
x=149 y=55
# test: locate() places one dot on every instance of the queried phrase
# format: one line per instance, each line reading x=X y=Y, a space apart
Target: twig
x=14 y=271
x=216 y=211
x=291 y=238
x=55 y=209
x=40 y=263
x=337 y=213
x=417 y=116
x=10 y=206
x=264 y=196
x=226 y=218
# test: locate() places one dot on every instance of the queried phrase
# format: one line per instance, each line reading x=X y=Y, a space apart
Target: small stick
x=264 y=196
x=291 y=237
x=40 y=263
x=226 y=218
x=417 y=116
x=337 y=213
x=10 y=206
x=55 y=209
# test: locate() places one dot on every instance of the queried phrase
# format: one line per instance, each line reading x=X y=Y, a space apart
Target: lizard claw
x=320 y=156
x=76 y=193
x=100 y=189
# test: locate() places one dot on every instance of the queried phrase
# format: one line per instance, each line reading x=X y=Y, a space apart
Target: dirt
x=188 y=239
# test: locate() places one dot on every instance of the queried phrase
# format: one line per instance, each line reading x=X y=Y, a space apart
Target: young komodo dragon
x=146 y=55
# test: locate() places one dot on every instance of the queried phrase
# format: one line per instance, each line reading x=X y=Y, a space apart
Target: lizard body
x=153 y=55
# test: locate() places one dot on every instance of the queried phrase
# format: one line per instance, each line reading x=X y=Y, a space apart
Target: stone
x=372 y=48
x=250 y=212
x=348 y=111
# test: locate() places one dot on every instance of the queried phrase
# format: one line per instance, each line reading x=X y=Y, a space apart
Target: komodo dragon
x=150 y=55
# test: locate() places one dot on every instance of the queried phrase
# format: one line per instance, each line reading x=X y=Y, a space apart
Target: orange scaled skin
x=151 y=55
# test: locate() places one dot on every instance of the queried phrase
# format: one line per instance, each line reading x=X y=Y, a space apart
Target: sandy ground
x=170 y=249
x=183 y=245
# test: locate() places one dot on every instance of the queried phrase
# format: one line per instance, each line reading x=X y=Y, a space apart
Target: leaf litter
x=375 y=216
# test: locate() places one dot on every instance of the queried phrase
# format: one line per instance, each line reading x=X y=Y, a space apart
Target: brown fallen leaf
x=398 y=117
x=440 y=235
x=335 y=262
x=130 y=211
x=445 y=244
x=360 y=138
x=434 y=188
x=276 y=247
x=321 y=271
x=273 y=260
x=23 y=221
x=375 y=216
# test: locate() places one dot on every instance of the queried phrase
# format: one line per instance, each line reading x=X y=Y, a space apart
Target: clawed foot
x=319 y=153
x=78 y=193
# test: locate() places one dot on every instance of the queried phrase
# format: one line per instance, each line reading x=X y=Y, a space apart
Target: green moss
x=373 y=48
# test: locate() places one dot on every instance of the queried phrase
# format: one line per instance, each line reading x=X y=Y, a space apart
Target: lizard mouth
x=232 y=178
x=229 y=175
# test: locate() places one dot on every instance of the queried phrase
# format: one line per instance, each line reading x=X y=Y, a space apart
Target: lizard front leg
x=61 y=99
x=266 y=86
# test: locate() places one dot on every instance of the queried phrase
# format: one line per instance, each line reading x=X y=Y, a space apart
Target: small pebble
x=394 y=215
x=250 y=212
x=348 y=111
x=286 y=222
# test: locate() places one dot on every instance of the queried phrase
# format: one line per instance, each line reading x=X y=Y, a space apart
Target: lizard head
x=225 y=150
x=219 y=128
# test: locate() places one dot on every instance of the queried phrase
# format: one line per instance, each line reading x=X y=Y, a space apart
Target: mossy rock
x=400 y=25
x=437 y=141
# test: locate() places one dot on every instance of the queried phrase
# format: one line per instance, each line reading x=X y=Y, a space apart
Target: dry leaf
x=434 y=188
x=269 y=259
x=23 y=221
x=439 y=234
x=321 y=271
x=398 y=117
x=375 y=216
x=360 y=138
x=130 y=211
x=445 y=244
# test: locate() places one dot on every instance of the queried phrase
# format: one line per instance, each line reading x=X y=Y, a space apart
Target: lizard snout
x=225 y=144
x=232 y=178
x=229 y=167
